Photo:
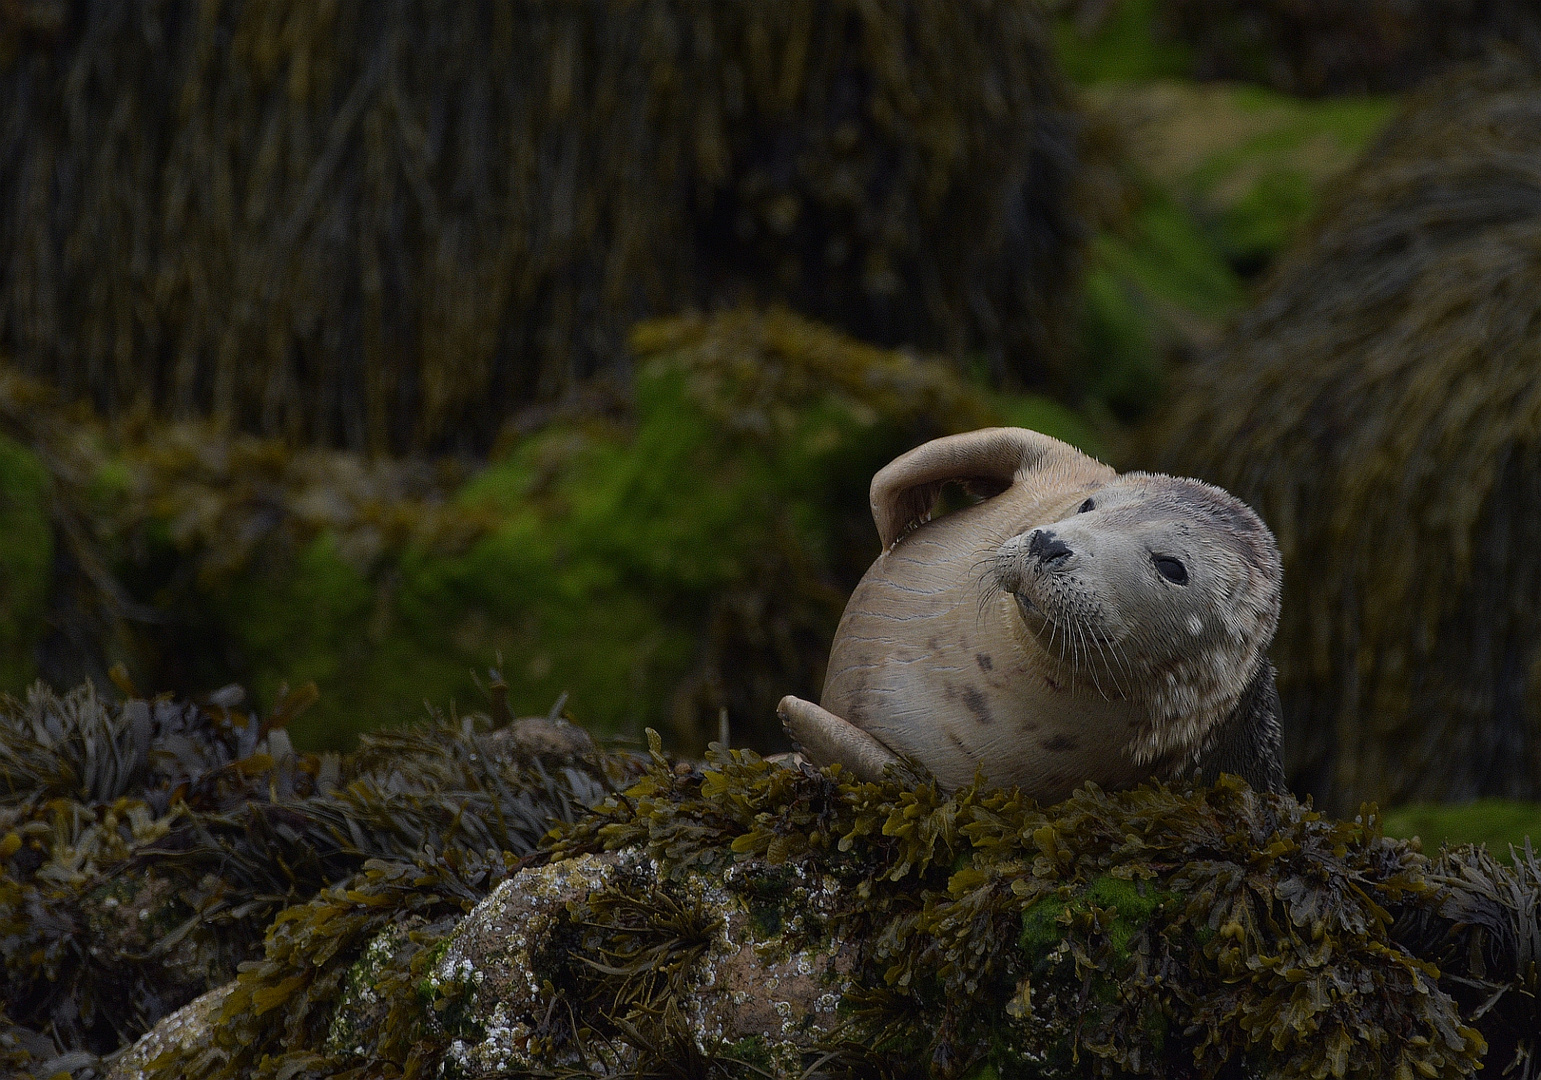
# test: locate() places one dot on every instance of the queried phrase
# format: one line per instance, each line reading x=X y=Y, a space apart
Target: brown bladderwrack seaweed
x=1379 y=406
x=390 y=227
x=146 y=847
x=1154 y=932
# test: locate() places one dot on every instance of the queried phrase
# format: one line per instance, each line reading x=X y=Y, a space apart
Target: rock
x=186 y=1033
x=613 y=931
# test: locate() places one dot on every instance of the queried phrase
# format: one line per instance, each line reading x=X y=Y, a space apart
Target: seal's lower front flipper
x=826 y=739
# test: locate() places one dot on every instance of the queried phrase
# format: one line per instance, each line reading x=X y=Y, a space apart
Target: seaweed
x=392 y=229
x=1160 y=931
x=1377 y=405
x=148 y=847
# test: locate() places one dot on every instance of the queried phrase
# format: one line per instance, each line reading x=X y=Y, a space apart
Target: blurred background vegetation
x=553 y=346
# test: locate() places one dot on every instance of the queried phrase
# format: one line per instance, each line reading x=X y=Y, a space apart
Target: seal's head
x=1160 y=590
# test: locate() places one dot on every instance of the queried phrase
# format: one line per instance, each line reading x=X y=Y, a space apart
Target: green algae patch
x=1497 y=823
x=26 y=562
x=1201 y=190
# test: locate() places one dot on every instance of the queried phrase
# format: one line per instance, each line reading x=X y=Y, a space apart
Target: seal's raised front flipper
x=986 y=462
x=826 y=739
x=1246 y=743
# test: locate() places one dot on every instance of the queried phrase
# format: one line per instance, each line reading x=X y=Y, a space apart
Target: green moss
x=1122 y=909
x=1126 y=46
x=1497 y=823
x=1214 y=183
x=691 y=557
x=1259 y=192
x=26 y=562
x=1146 y=283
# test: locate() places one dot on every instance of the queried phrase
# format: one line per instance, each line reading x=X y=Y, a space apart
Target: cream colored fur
x=961 y=650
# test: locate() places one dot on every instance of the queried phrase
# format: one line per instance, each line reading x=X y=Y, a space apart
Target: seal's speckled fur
x=1034 y=636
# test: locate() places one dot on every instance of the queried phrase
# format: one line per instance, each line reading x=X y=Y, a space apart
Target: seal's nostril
x=1042 y=545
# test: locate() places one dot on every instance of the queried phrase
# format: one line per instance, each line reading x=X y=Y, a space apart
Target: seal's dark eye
x=1087 y=505
x=1171 y=569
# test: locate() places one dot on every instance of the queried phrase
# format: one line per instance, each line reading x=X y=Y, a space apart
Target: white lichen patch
x=763 y=981
x=360 y=1007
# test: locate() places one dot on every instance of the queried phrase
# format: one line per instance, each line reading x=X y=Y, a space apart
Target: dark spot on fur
x=932 y=645
x=985 y=663
x=976 y=705
x=958 y=743
x=949 y=691
x=1061 y=743
x=1056 y=687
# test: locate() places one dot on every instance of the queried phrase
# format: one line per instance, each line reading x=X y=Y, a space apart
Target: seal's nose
x=1043 y=546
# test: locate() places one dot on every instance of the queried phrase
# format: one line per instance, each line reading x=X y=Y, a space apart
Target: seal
x=1073 y=625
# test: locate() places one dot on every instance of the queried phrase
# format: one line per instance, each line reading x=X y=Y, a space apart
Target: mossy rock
x=1202 y=187
x=1251 y=165
x=1377 y=405
x=656 y=555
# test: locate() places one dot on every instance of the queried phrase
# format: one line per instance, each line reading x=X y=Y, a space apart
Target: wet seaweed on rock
x=1378 y=405
x=145 y=848
x=1153 y=932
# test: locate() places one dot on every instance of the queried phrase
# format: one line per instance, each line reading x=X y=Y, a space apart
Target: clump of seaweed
x=390 y=229
x=1378 y=406
x=1155 y=932
x=146 y=847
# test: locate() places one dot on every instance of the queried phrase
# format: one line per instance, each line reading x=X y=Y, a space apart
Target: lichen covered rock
x=726 y=964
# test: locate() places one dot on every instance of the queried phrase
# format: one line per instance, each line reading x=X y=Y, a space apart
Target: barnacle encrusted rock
x=185 y=1033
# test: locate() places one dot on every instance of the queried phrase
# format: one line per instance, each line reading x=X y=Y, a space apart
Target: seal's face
x=1159 y=590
